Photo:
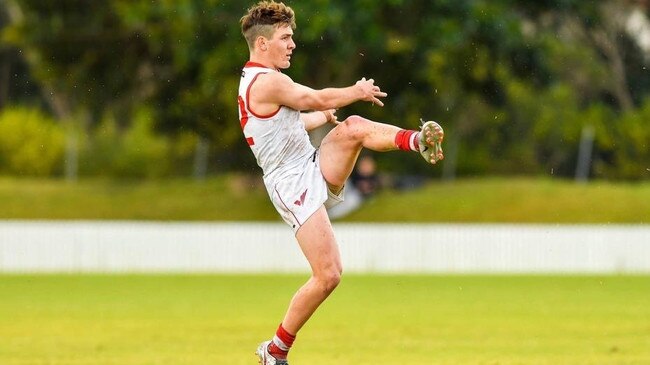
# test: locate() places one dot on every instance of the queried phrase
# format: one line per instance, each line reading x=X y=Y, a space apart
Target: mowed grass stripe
x=169 y=319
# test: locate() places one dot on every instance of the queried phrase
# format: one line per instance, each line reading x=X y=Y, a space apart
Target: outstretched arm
x=273 y=89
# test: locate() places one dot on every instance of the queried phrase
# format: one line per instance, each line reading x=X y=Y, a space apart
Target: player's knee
x=356 y=127
x=330 y=279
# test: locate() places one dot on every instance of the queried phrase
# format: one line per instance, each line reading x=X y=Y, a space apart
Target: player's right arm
x=274 y=89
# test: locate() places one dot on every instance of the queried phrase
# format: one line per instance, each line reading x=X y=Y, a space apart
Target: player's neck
x=260 y=62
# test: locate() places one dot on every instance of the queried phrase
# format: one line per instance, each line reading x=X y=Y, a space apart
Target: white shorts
x=299 y=191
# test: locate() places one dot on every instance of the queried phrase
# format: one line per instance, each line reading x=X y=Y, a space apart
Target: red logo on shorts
x=302 y=199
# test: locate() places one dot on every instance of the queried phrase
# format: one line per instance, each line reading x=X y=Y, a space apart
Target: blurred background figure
x=364 y=177
x=363 y=184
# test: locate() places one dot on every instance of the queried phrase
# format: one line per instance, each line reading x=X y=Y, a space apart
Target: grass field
x=511 y=200
x=192 y=320
x=374 y=320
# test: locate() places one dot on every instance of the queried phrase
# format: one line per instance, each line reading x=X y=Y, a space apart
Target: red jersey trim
x=255 y=64
x=248 y=103
x=242 y=110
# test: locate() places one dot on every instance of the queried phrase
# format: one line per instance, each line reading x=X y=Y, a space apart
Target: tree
x=512 y=82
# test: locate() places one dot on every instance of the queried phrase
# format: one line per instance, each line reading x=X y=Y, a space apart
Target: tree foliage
x=513 y=83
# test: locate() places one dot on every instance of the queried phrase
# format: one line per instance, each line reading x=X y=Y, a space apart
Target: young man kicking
x=301 y=180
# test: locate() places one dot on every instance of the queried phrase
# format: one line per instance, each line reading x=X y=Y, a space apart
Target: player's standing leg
x=318 y=244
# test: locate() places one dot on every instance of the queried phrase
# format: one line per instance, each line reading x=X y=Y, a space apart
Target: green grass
x=517 y=200
x=225 y=198
x=427 y=320
x=514 y=200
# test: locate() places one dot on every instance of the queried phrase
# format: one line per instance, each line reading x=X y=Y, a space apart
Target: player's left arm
x=313 y=120
x=275 y=88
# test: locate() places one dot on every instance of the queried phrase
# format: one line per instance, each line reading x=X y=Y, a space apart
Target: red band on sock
x=403 y=139
x=281 y=344
x=285 y=336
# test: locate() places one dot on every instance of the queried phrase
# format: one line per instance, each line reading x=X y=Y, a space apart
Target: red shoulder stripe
x=248 y=92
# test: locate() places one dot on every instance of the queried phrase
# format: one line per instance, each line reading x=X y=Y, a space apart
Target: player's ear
x=261 y=43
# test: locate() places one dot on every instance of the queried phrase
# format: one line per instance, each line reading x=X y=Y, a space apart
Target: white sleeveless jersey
x=278 y=140
x=290 y=163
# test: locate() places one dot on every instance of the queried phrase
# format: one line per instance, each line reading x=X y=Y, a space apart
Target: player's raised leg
x=342 y=145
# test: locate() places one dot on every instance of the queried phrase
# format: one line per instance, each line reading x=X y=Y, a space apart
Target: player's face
x=281 y=46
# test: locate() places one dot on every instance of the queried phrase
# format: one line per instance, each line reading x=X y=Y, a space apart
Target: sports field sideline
x=215 y=319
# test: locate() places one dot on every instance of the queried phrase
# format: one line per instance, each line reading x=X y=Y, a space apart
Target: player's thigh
x=339 y=151
x=318 y=244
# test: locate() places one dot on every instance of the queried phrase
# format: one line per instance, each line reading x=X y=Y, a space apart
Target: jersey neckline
x=255 y=64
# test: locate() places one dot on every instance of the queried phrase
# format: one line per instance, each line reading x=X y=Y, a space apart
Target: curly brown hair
x=263 y=18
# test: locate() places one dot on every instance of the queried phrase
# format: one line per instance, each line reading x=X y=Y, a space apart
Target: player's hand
x=370 y=91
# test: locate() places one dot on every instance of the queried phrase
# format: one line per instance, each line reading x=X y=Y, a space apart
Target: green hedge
x=31 y=143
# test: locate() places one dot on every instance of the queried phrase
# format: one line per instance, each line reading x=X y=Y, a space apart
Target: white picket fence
x=126 y=247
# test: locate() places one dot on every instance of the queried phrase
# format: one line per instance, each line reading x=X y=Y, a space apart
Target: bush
x=133 y=153
x=30 y=143
x=627 y=146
